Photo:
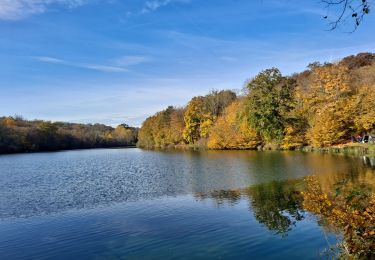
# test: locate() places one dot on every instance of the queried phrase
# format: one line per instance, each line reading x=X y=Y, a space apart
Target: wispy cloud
x=153 y=5
x=131 y=60
x=19 y=9
x=104 y=68
x=49 y=59
x=97 y=67
x=228 y=59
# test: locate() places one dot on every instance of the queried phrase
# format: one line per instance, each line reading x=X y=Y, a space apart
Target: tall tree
x=330 y=104
x=202 y=113
x=231 y=130
x=270 y=97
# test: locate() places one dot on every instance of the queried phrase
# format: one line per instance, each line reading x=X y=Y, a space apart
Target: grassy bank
x=348 y=149
x=353 y=149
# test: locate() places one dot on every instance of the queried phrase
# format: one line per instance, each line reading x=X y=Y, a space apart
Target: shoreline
x=65 y=150
x=355 y=149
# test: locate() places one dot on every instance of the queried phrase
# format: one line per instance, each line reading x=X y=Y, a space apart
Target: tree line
x=325 y=105
x=20 y=135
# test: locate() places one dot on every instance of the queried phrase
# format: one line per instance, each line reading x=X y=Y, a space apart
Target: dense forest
x=20 y=135
x=325 y=105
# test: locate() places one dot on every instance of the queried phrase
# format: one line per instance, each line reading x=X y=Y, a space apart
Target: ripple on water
x=129 y=203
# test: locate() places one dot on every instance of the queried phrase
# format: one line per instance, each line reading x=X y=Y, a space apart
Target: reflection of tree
x=351 y=210
x=277 y=205
x=223 y=196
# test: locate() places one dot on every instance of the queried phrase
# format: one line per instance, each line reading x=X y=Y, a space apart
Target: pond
x=132 y=203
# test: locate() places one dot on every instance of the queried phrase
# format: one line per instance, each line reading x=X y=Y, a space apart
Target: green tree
x=269 y=99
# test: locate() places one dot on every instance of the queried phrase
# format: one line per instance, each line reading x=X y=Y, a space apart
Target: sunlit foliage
x=326 y=105
x=179 y=127
x=231 y=131
x=197 y=120
x=329 y=102
x=202 y=112
x=163 y=130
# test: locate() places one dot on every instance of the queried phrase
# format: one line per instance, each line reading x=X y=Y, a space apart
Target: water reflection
x=148 y=204
x=47 y=183
x=277 y=205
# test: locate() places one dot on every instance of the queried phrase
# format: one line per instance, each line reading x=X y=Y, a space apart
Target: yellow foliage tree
x=123 y=134
x=296 y=124
x=231 y=131
x=294 y=137
x=162 y=130
x=365 y=116
x=329 y=83
x=193 y=118
x=330 y=105
x=177 y=125
x=327 y=129
x=146 y=138
x=198 y=122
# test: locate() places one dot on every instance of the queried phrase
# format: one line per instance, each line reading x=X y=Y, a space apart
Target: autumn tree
x=330 y=105
x=146 y=138
x=197 y=120
x=177 y=125
x=232 y=131
x=364 y=81
x=162 y=130
x=202 y=112
x=269 y=99
x=216 y=101
x=124 y=134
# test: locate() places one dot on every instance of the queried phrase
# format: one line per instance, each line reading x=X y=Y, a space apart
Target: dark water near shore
x=131 y=204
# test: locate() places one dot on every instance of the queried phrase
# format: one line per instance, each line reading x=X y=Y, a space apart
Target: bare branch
x=343 y=10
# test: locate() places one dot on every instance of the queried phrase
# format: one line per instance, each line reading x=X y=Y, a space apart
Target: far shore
x=66 y=150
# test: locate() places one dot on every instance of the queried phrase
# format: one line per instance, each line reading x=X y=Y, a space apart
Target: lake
x=132 y=203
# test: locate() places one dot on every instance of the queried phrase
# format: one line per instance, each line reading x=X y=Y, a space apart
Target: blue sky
x=114 y=61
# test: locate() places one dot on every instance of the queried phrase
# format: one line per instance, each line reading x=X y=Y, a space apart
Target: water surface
x=131 y=204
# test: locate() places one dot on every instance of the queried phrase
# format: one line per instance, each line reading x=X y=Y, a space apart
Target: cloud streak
x=19 y=9
x=153 y=5
x=96 y=67
x=131 y=60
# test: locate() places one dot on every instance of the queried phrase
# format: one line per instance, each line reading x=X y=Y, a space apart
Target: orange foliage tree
x=330 y=105
x=231 y=131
